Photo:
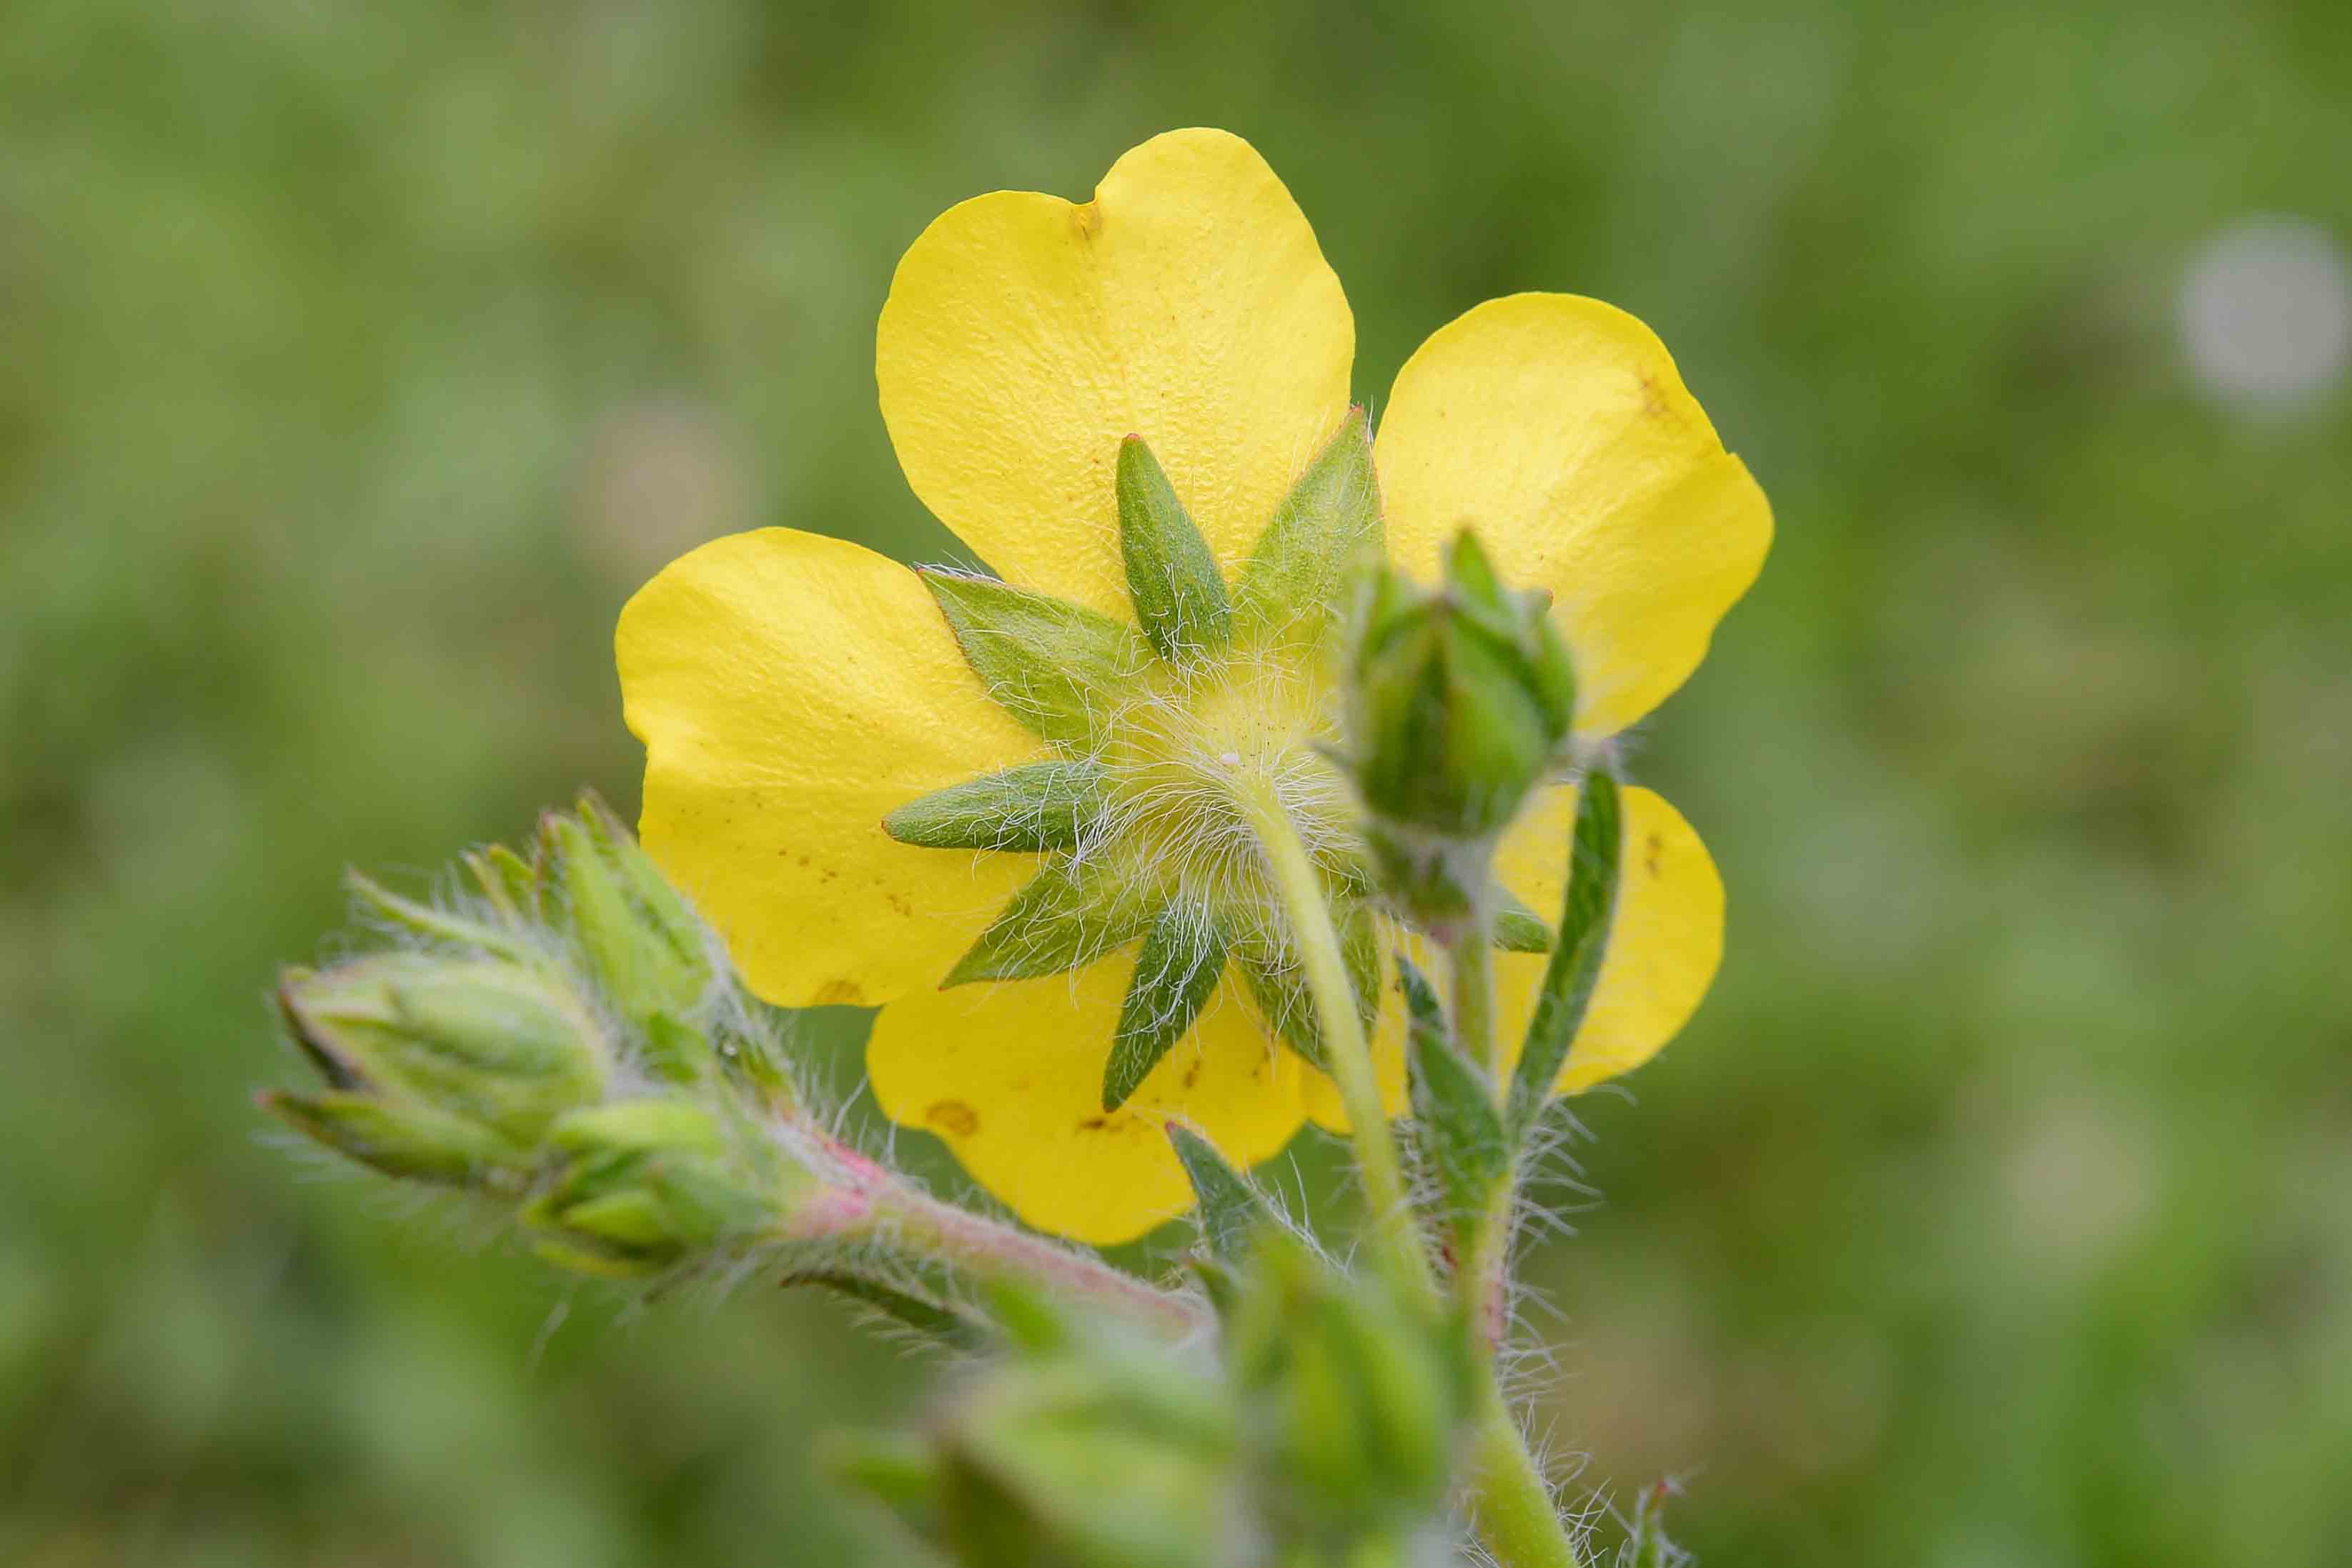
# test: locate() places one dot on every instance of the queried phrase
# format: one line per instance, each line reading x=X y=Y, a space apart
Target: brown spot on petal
x=1651 y=852
x=839 y=994
x=1094 y=1124
x=953 y=1117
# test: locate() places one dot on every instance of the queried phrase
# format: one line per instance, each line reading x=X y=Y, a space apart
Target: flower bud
x=486 y=1041
x=1460 y=698
x=640 y=939
x=414 y=1141
x=1358 y=1398
x=647 y=1184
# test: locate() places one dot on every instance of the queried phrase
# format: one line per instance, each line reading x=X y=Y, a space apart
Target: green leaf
x=1460 y=1131
x=1060 y=669
x=1231 y=1211
x=1518 y=929
x=1071 y=913
x=923 y=1313
x=1038 y=808
x=1585 y=917
x=1171 y=578
x=1174 y=975
x=1302 y=568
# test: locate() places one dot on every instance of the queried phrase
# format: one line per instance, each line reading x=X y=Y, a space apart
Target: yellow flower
x=793 y=690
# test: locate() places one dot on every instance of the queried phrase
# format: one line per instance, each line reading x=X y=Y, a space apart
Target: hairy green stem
x=912 y=1220
x=1300 y=888
x=1481 y=1253
x=1516 y=1516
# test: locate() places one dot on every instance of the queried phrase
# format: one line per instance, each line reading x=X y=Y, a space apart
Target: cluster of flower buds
x=558 y=1039
x=1461 y=699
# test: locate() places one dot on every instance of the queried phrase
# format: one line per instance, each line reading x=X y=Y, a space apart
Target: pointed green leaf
x=1461 y=1131
x=1171 y=578
x=1585 y=917
x=1174 y=975
x=1518 y=929
x=1303 y=565
x=1231 y=1210
x=1038 y=808
x=923 y=1313
x=1071 y=913
x=1060 y=669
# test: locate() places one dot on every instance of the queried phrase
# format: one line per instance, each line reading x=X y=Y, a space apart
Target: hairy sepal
x=1172 y=577
x=1175 y=973
x=1037 y=809
x=1300 y=575
x=1071 y=913
x=1061 y=669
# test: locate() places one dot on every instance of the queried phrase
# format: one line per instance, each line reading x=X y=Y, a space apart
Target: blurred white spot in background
x=655 y=479
x=2266 y=312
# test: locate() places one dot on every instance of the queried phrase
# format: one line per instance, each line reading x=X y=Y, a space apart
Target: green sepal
x=508 y=880
x=1230 y=1212
x=1171 y=578
x=1038 y=808
x=1586 y=914
x=1278 y=984
x=1517 y=929
x=1461 y=1133
x=1069 y=914
x=1302 y=570
x=1175 y=973
x=440 y=925
x=1058 y=668
x=414 y=1141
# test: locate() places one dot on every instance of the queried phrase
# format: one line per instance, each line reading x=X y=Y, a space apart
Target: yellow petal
x=1558 y=427
x=1010 y=1075
x=1025 y=335
x=1662 y=947
x=790 y=689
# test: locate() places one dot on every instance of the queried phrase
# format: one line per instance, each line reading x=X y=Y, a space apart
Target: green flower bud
x=1460 y=698
x=490 y=1042
x=647 y=1185
x=1356 y=1399
x=640 y=939
x=414 y=1141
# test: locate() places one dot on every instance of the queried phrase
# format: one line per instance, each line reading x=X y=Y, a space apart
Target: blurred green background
x=356 y=363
